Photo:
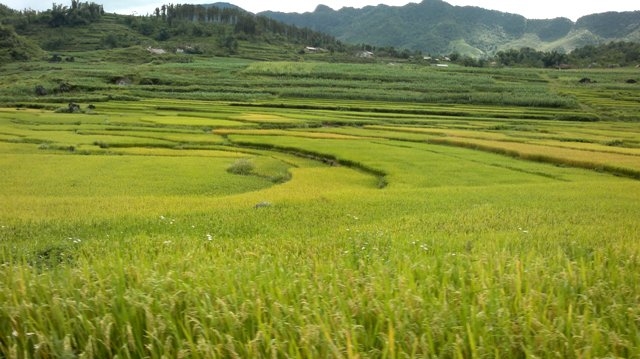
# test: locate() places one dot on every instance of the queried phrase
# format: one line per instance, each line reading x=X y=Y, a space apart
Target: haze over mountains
x=436 y=27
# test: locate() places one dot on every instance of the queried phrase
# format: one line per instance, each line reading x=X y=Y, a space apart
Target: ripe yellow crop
x=322 y=210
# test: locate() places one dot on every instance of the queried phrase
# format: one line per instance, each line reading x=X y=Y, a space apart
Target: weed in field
x=241 y=167
x=281 y=177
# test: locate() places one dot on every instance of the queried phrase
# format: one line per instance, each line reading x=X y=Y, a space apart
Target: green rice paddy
x=386 y=212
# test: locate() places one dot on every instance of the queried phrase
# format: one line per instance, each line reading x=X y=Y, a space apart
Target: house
x=313 y=50
x=156 y=51
x=365 y=54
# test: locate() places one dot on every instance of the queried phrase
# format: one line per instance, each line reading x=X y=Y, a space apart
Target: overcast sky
x=540 y=9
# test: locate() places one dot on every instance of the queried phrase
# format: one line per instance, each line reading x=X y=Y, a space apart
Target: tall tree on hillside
x=57 y=15
x=78 y=14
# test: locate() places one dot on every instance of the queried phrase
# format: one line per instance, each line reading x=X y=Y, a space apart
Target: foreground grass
x=362 y=228
x=507 y=270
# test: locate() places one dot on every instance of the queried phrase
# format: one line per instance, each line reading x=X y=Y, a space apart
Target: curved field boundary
x=317 y=156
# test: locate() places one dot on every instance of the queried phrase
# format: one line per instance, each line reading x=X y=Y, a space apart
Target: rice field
x=331 y=210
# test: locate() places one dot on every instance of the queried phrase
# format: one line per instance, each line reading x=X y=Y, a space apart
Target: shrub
x=616 y=143
x=101 y=144
x=281 y=177
x=40 y=90
x=241 y=167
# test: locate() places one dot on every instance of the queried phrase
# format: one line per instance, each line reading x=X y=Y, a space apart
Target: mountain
x=436 y=27
x=223 y=5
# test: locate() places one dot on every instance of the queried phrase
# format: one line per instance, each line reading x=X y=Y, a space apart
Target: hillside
x=219 y=29
x=14 y=47
x=436 y=27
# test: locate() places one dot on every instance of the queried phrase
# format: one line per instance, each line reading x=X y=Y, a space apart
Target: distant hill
x=222 y=5
x=436 y=27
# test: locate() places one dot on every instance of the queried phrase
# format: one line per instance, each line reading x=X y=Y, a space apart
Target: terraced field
x=253 y=209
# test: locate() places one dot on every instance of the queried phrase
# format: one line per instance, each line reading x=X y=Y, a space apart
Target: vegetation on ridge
x=194 y=28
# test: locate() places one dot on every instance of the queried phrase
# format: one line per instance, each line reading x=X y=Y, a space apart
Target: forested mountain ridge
x=436 y=27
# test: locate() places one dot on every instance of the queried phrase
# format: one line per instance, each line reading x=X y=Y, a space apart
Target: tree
x=57 y=15
x=163 y=35
x=111 y=40
x=554 y=59
x=246 y=24
x=229 y=43
x=79 y=14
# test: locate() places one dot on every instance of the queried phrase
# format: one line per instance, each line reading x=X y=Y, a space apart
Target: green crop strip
x=234 y=208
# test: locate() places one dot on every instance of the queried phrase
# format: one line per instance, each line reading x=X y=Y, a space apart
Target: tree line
x=199 y=21
x=613 y=54
x=78 y=14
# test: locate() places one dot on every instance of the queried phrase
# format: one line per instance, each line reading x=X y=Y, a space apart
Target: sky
x=540 y=9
